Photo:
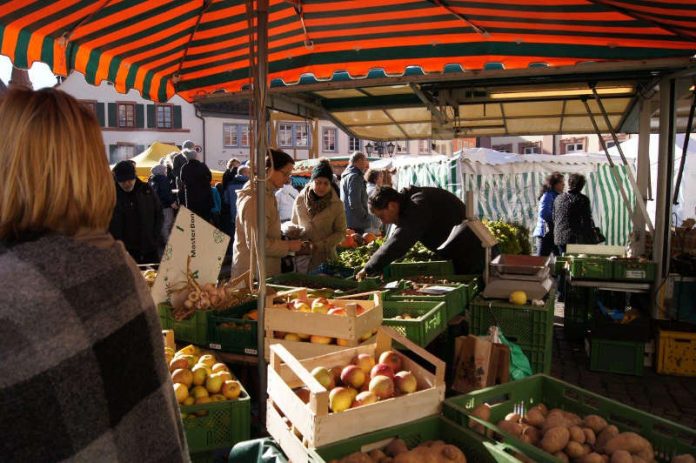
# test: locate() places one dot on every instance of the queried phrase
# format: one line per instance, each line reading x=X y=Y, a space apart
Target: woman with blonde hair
x=319 y=212
x=83 y=371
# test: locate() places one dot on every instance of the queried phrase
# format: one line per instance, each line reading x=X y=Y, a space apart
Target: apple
x=342 y=342
x=367 y=335
x=353 y=393
x=340 y=399
x=364 y=398
x=190 y=400
x=181 y=392
x=382 y=369
x=213 y=383
x=382 y=387
x=190 y=360
x=365 y=362
x=405 y=382
x=217 y=398
x=338 y=311
x=178 y=363
x=353 y=376
x=392 y=359
x=324 y=377
x=320 y=305
x=200 y=373
x=220 y=367
x=320 y=339
x=303 y=394
x=207 y=359
x=203 y=400
x=225 y=375
x=292 y=337
x=336 y=373
x=182 y=376
x=302 y=307
x=199 y=391
x=303 y=336
x=231 y=389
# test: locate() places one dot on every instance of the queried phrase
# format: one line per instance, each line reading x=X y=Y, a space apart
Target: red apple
x=405 y=382
x=364 y=398
x=391 y=358
x=365 y=362
x=382 y=387
x=337 y=311
x=353 y=376
x=382 y=369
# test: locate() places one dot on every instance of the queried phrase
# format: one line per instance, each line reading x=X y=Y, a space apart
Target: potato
x=554 y=419
x=685 y=458
x=395 y=447
x=482 y=411
x=574 y=450
x=555 y=439
x=590 y=436
x=591 y=458
x=535 y=417
x=573 y=419
x=595 y=423
x=562 y=456
x=635 y=459
x=576 y=434
x=542 y=408
x=633 y=443
x=605 y=436
x=514 y=417
x=452 y=454
x=621 y=456
x=357 y=457
x=510 y=427
x=377 y=455
x=531 y=435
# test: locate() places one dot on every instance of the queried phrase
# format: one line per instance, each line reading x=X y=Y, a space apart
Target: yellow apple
x=231 y=389
x=364 y=398
x=182 y=376
x=365 y=362
x=190 y=400
x=340 y=399
x=213 y=383
x=405 y=382
x=200 y=373
x=220 y=367
x=207 y=359
x=189 y=350
x=342 y=342
x=225 y=375
x=302 y=306
x=217 y=398
x=181 y=392
x=302 y=336
x=177 y=363
x=320 y=339
x=292 y=337
x=199 y=391
x=324 y=377
x=319 y=306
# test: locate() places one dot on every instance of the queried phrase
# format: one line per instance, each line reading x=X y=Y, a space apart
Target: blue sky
x=40 y=74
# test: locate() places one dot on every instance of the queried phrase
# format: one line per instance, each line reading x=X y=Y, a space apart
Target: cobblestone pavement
x=671 y=397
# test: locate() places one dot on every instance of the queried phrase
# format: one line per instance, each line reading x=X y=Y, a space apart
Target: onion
x=208 y=287
x=188 y=304
x=204 y=304
x=194 y=296
x=214 y=300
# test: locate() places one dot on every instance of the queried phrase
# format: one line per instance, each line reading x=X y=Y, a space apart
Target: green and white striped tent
x=506 y=186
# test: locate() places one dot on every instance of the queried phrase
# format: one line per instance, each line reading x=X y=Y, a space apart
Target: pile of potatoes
x=573 y=439
x=397 y=452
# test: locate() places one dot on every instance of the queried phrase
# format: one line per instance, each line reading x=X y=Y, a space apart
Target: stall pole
x=643 y=174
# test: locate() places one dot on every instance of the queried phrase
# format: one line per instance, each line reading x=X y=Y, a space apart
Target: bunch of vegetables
x=512 y=238
x=418 y=253
x=189 y=296
x=397 y=452
x=359 y=256
x=571 y=438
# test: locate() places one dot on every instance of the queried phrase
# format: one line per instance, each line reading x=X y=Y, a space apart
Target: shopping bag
x=519 y=363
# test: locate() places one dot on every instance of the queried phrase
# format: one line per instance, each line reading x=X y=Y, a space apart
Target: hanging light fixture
x=390 y=148
x=369 y=148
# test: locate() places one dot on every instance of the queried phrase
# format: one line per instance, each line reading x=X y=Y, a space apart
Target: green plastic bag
x=519 y=363
x=257 y=451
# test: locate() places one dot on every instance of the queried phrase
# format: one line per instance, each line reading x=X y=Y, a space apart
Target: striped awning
x=200 y=47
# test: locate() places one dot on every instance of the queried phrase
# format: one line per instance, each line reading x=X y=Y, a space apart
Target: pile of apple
x=200 y=379
x=320 y=305
x=363 y=382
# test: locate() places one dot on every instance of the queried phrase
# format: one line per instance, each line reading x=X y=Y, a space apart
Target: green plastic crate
x=529 y=326
x=224 y=424
x=559 y=265
x=430 y=322
x=229 y=332
x=668 y=438
x=579 y=302
x=455 y=301
x=634 y=270
x=476 y=447
x=194 y=330
x=398 y=270
x=591 y=268
x=623 y=357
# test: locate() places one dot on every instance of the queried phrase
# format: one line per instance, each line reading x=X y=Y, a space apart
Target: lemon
x=518 y=298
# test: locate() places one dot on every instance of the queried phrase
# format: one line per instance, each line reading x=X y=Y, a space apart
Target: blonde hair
x=55 y=173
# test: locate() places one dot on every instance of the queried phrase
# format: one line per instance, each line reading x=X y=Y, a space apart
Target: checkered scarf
x=82 y=376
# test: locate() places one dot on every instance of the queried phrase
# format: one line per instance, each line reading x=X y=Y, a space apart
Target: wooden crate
x=302 y=350
x=297 y=426
x=350 y=327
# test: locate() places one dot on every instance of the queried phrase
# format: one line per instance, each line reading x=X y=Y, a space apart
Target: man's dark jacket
x=195 y=191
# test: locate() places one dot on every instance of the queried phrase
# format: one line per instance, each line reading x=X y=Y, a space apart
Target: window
x=328 y=140
x=574 y=148
x=235 y=135
x=293 y=135
x=90 y=105
x=401 y=147
x=126 y=114
x=424 y=147
x=507 y=148
x=530 y=148
x=610 y=144
x=354 y=144
x=121 y=152
x=164 y=116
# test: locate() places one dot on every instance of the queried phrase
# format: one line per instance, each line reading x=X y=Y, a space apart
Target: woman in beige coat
x=320 y=213
x=279 y=166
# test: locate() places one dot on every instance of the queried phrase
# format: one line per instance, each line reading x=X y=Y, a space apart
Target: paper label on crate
x=190 y=236
x=436 y=290
x=636 y=274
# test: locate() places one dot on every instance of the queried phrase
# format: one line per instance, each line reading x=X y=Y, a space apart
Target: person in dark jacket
x=194 y=190
x=354 y=193
x=137 y=218
x=428 y=215
x=543 y=232
x=230 y=195
x=159 y=182
x=231 y=172
x=572 y=215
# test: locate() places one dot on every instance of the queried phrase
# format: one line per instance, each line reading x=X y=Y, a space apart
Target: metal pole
x=260 y=89
x=643 y=174
x=665 y=171
x=682 y=163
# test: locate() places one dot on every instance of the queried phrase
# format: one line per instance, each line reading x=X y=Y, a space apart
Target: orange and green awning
x=195 y=48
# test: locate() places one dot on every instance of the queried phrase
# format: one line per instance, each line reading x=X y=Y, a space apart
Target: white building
x=131 y=123
x=551 y=144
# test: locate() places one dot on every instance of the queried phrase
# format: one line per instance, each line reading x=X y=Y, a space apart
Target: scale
x=531 y=274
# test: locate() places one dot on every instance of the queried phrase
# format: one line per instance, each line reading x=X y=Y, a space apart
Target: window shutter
x=151 y=117
x=177 y=117
x=113 y=116
x=100 y=114
x=140 y=116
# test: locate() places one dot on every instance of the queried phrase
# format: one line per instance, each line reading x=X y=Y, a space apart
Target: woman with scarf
x=318 y=210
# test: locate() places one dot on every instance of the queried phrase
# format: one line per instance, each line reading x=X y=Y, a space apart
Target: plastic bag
x=519 y=363
x=257 y=451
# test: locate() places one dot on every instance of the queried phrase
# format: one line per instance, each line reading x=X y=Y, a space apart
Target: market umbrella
x=196 y=48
